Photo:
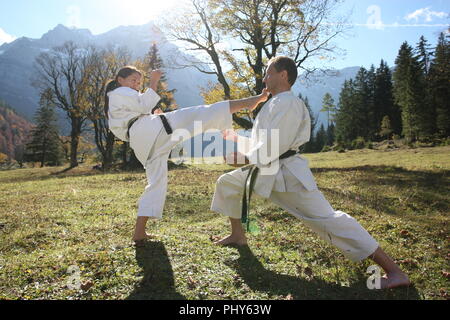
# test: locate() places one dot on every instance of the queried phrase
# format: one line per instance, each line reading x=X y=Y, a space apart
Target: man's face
x=273 y=78
x=133 y=81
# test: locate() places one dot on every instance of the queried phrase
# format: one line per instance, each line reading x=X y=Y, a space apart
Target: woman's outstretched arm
x=248 y=103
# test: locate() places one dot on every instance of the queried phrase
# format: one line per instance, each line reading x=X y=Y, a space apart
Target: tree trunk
x=75 y=139
x=43 y=155
x=124 y=155
x=108 y=156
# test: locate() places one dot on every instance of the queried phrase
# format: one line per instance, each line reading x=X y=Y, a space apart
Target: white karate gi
x=151 y=143
x=292 y=185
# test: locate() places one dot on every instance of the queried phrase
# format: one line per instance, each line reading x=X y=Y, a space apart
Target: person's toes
x=143 y=238
x=231 y=241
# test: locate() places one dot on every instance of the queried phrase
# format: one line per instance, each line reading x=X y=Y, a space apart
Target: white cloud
x=425 y=13
x=4 y=37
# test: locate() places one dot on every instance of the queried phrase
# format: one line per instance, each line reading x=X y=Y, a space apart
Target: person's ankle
x=238 y=236
x=139 y=235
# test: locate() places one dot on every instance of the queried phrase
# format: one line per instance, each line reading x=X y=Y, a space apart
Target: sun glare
x=142 y=11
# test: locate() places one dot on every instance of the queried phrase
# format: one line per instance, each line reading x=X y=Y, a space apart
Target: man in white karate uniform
x=280 y=128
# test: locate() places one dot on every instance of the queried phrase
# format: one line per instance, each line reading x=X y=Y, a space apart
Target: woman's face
x=133 y=81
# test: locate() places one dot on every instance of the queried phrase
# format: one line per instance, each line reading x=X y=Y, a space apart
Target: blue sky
x=379 y=27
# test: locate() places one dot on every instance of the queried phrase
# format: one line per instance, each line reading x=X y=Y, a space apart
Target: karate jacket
x=288 y=115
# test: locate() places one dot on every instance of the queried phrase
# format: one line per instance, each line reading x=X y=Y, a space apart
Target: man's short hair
x=282 y=63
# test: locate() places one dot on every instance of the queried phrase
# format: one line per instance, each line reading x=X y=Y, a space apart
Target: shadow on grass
x=259 y=278
x=158 y=281
x=391 y=175
x=422 y=189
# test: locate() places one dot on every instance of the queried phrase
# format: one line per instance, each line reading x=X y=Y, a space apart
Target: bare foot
x=394 y=280
x=142 y=238
x=232 y=240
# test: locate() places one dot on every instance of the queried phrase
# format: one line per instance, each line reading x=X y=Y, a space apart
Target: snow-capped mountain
x=18 y=57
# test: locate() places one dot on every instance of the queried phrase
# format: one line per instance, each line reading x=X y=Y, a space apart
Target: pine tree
x=153 y=61
x=309 y=146
x=345 y=116
x=384 y=100
x=439 y=85
x=330 y=135
x=370 y=108
x=428 y=114
x=328 y=107
x=321 y=138
x=45 y=146
x=363 y=104
x=357 y=113
x=424 y=55
x=409 y=93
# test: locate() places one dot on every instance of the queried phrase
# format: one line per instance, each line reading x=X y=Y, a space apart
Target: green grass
x=50 y=221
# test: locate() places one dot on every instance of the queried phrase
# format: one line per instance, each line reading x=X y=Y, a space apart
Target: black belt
x=250 y=183
x=163 y=118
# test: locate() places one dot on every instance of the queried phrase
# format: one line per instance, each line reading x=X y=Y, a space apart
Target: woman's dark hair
x=282 y=63
x=125 y=72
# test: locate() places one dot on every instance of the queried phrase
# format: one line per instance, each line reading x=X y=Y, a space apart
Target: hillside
x=14 y=130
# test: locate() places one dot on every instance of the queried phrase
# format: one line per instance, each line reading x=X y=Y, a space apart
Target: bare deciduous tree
x=257 y=30
x=61 y=72
x=300 y=29
x=100 y=66
x=193 y=26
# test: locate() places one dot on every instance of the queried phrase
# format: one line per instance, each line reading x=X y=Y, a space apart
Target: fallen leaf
x=308 y=272
x=86 y=285
x=191 y=283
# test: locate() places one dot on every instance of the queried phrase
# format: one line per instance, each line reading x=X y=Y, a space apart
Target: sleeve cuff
x=150 y=98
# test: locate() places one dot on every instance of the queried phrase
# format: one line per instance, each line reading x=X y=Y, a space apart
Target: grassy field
x=53 y=222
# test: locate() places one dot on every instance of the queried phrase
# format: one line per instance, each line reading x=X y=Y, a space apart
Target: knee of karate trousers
x=227 y=197
x=335 y=227
x=348 y=235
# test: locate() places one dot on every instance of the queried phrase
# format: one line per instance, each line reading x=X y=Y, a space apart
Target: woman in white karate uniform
x=133 y=117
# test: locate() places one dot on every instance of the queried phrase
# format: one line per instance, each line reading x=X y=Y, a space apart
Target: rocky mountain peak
x=62 y=33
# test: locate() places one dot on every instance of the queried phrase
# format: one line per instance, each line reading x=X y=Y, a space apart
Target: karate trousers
x=335 y=227
x=215 y=116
